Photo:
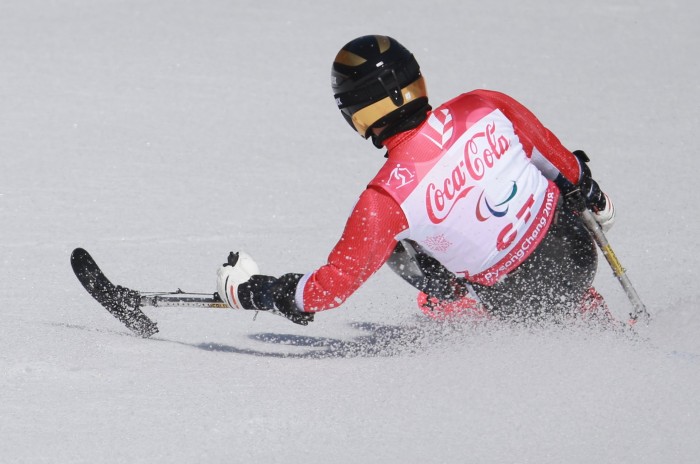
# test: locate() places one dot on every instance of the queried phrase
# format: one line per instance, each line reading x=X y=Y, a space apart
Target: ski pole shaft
x=182 y=299
x=639 y=309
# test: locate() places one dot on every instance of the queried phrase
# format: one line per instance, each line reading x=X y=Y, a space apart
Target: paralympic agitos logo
x=480 y=154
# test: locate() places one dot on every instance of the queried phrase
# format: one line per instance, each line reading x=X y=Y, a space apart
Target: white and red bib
x=469 y=191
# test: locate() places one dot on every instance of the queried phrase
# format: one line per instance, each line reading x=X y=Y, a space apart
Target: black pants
x=551 y=281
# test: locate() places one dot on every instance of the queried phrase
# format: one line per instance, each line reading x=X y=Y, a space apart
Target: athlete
x=476 y=207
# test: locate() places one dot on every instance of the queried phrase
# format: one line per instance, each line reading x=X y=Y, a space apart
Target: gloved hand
x=589 y=191
x=241 y=286
x=266 y=293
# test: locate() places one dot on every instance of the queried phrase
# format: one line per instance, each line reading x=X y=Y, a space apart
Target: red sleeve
x=367 y=242
x=533 y=135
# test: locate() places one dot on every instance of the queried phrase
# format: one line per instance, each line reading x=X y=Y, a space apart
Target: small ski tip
x=80 y=259
x=79 y=256
x=78 y=253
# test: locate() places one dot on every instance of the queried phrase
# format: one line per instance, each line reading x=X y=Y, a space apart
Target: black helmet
x=376 y=82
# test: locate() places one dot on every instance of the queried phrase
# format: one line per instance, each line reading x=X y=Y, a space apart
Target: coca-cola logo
x=481 y=151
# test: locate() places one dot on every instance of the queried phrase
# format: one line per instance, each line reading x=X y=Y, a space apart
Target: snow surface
x=159 y=135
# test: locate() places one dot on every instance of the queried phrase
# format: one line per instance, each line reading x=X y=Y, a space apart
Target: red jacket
x=377 y=220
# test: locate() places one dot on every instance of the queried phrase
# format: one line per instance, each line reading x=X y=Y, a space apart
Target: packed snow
x=161 y=135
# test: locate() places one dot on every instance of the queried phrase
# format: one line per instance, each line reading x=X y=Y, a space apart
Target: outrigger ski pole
x=182 y=299
x=125 y=304
x=639 y=309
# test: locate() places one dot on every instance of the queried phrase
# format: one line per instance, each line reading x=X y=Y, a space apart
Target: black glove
x=586 y=189
x=266 y=293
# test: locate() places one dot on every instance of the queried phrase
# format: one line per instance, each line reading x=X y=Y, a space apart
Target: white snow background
x=160 y=135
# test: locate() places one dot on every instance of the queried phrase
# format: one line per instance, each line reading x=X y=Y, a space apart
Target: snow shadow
x=377 y=340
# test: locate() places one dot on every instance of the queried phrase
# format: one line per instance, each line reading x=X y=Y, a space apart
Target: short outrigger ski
x=123 y=303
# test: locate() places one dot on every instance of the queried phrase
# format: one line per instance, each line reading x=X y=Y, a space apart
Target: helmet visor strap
x=391 y=86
